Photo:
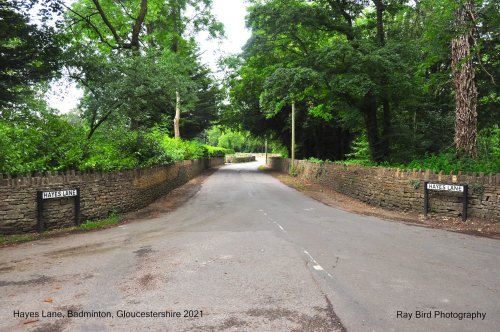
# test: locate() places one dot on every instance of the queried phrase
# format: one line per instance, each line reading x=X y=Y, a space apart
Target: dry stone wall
x=239 y=159
x=398 y=189
x=101 y=193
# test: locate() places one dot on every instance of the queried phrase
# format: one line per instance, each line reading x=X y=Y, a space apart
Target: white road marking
x=280 y=227
x=311 y=257
x=316 y=266
x=269 y=220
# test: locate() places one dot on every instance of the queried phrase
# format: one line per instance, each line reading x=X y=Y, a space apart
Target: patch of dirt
x=340 y=201
x=172 y=200
x=92 y=249
x=57 y=326
x=41 y=280
x=146 y=281
x=323 y=321
x=144 y=251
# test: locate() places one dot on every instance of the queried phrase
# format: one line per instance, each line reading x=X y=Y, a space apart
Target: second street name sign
x=445 y=187
x=59 y=194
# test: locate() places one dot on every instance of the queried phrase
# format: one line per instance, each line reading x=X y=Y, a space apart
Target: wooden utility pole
x=177 y=118
x=292 y=167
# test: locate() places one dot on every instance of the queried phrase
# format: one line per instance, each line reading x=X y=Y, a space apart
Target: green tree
x=30 y=54
x=136 y=60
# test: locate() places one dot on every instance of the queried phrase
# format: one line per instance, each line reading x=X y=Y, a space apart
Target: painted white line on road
x=316 y=266
x=280 y=227
x=269 y=220
x=311 y=257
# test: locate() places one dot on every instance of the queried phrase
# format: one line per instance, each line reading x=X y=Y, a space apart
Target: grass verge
x=11 y=239
x=89 y=225
x=263 y=168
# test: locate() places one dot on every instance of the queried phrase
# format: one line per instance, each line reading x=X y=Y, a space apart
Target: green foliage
x=40 y=143
x=113 y=219
x=30 y=53
x=415 y=184
x=116 y=149
x=448 y=161
x=360 y=150
x=48 y=142
x=11 y=239
x=131 y=74
x=216 y=151
x=327 y=57
x=317 y=161
x=241 y=141
x=178 y=149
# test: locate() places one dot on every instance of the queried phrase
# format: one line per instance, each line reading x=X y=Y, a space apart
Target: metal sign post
x=43 y=195
x=463 y=188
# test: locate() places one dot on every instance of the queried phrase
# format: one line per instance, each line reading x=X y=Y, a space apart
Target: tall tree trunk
x=463 y=79
x=177 y=119
x=176 y=17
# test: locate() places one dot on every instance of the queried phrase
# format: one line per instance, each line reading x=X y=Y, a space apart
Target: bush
x=48 y=142
x=448 y=161
x=178 y=149
x=216 y=152
x=41 y=143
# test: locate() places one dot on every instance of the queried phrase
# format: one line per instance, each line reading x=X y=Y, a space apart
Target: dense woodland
x=381 y=82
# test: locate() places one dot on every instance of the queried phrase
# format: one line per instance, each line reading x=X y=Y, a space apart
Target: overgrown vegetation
x=372 y=83
x=113 y=219
x=488 y=160
x=235 y=141
x=89 y=225
x=48 y=142
x=11 y=239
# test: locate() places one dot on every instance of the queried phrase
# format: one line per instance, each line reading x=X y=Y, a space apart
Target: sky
x=64 y=96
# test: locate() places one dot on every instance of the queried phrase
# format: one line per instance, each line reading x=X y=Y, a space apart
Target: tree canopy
x=375 y=69
x=379 y=82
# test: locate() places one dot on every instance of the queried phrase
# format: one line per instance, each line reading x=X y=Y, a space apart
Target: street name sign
x=458 y=188
x=59 y=194
x=41 y=196
x=445 y=187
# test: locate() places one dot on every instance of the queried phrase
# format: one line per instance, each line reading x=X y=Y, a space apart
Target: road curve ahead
x=247 y=253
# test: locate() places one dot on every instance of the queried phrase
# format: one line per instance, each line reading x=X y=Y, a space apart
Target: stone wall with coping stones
x=397 y=189
x=101 y=193
x=236 y=159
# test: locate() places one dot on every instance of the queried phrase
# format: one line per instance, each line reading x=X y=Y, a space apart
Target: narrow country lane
x=248 y=253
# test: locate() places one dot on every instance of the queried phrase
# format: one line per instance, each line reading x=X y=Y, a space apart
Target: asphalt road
x=253 y=255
